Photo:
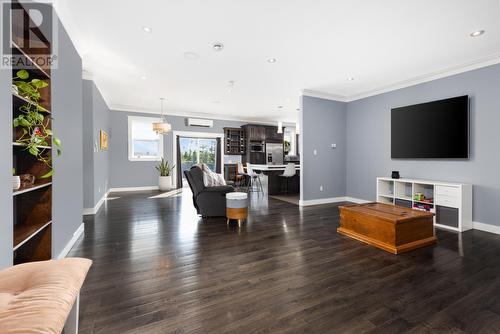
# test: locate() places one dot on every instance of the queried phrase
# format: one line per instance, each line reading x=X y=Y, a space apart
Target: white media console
x=450 y=202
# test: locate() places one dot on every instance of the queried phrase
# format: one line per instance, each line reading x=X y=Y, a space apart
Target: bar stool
x=241 y=175
x=287 y=174
x=254 y=178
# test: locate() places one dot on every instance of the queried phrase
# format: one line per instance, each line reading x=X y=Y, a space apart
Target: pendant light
x=163 y=126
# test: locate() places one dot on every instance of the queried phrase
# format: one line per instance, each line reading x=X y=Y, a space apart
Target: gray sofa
x=208 y=201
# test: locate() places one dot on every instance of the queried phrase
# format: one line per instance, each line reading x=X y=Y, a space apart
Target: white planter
x=165 y=183
x=16 y=182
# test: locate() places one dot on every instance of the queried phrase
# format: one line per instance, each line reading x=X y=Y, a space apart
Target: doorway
x=191 y=148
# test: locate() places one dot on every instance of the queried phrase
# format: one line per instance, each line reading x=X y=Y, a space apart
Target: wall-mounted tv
x=433 y=130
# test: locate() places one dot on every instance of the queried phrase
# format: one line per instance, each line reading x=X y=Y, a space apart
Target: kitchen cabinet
x=255 y=132
x=272 y=135
x=235 y=141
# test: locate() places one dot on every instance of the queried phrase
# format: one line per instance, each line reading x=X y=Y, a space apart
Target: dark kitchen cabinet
x=272 y=135
x=235 y=141
x=255 y=132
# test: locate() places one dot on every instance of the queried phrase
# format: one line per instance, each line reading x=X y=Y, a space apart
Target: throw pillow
x=211 y=179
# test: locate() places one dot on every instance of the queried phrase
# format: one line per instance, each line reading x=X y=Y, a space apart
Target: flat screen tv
x=433 y=130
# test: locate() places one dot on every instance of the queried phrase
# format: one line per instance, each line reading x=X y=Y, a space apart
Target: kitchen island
x=276 y=184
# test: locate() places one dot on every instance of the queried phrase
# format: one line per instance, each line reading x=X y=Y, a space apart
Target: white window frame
x=192 y=134
x=131 y=157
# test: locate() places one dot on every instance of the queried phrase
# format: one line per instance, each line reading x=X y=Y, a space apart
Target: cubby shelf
x=451 y=202
x=32 y=205
x=38 y=146
x=18 y=99
x=40 y=72
x=34 y=187
x=23 y=233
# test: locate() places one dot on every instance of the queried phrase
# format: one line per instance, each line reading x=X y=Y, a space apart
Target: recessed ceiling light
x=216 y=101
x=298 y=109
x=477 y=33
x=271 y=60
x=147 y=29
x=191 y=55
x=143 y=77
x=218 y=46
x=280 y=107
x=350 y=79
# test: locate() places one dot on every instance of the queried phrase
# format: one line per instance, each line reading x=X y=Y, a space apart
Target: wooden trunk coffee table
x=392 y=228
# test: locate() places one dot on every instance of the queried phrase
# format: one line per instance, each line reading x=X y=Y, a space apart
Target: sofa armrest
x=219 y=189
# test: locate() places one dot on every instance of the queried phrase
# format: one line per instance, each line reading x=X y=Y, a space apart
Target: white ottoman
x=236 y=206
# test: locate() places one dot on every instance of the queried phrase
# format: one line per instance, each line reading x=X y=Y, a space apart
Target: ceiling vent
x=200 y=123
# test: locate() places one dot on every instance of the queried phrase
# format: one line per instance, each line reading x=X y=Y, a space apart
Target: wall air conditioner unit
x=201 y=123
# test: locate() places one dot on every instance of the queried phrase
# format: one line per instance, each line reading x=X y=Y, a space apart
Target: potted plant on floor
x=165 y=179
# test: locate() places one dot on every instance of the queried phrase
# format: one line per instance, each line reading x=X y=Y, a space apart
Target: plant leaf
x=33 y=150
x=57 y=142
x=22 y=74
x=37 y=83
x=48 y=174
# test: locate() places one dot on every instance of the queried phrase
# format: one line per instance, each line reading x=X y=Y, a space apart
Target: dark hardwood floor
x=158 y=268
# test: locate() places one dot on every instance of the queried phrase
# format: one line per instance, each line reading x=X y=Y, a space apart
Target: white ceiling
x=318 y=44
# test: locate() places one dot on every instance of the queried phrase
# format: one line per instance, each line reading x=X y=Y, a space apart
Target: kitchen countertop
x=271 y=167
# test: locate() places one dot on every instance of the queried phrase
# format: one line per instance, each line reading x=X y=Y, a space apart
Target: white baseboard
x=321 y=201
x=133 y=189
x=72 y=242
x=356 y=200
x=486 y=227
x=332 y=200
x=95 y=209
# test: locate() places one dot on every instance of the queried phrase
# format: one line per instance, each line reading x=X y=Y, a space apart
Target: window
x=289 y=139
x=143 y=143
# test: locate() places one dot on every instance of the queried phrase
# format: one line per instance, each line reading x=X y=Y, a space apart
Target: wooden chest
x=392 y=228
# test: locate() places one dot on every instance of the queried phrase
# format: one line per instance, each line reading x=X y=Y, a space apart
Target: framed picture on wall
x=103 y=140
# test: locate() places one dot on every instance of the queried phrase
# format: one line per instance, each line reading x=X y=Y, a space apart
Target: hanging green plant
x=35 y=129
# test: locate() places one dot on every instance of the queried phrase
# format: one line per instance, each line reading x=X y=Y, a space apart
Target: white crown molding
x=87 y=75
x=322 y=95
x=221 y=117
x=450 y=71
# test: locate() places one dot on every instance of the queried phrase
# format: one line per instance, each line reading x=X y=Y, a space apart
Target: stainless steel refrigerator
x=274 y=153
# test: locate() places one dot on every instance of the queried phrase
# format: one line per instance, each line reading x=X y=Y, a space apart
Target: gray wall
x=88 y=145
x=144 y=173
x=95 y=160
x=6 y=219
x=368 y=140
x=68 y=123
x=323 y=123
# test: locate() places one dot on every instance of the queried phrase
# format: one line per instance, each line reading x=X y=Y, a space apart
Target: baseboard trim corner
x=95 y=209
x=122 y=189
x=486 y=227
x=80 y=230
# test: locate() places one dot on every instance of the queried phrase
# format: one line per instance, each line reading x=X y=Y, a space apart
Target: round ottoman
x=236 y=206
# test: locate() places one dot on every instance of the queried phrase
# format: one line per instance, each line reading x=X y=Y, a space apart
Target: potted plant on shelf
x=16 y=180
x=165 y=179
x=34 y=129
